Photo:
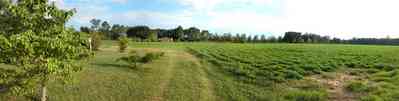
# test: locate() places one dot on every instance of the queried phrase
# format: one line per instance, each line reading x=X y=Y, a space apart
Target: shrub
x=95 y=40
x=123 y=43
x=149 y=57
x=132 y=59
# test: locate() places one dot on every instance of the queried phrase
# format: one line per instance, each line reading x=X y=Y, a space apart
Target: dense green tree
x=179 y=33
x=141 y=32
x=205 y=35
x=40 y=47
x=85 y=29
x=105 y=29
x=192 y=34
x=118 y=29
x=95 y=24
x=291 y=37
x=152 y=36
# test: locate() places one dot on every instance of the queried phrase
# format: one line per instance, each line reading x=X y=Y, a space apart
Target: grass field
x=239 y=72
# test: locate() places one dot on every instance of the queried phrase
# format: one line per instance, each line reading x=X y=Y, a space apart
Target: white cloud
x=337 y=18
x=210 y=5
x=120 y=1
x=368 y=18
x=153 y=19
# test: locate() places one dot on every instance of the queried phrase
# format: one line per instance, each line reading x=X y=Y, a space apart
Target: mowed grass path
x=178 y=76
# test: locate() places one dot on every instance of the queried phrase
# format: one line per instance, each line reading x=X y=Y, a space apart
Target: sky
x=336 y=18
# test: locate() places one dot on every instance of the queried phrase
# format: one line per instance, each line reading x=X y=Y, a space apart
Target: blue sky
x=336 y=18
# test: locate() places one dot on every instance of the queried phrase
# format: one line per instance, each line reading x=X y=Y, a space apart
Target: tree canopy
x=141 y=32
x=34 y=39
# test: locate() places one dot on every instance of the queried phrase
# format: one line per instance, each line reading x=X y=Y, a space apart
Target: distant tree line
x=107 y=31
x=193 y=34
x=375 y=41
x=297 y=37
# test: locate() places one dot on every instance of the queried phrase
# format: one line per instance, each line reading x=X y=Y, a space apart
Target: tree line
x=193 y=34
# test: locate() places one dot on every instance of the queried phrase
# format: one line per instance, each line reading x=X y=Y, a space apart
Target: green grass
x=232 y=72
x=175 y=76
x=254 y=67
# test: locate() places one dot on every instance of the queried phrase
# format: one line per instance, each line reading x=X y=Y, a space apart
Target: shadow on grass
x=125 y=67
x=112 y=65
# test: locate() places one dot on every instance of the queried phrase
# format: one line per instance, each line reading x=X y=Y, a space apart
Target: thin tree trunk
x=43 y=96
x=135 y=64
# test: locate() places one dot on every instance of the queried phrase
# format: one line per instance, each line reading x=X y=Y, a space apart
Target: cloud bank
x=336 y=18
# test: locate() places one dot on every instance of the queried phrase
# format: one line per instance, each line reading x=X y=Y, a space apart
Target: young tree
x=152 y=36
x=123 y=43
x=179 y=33
x=96 y=40
x=43 y=50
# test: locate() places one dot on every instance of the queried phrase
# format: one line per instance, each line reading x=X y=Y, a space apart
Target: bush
x=132 y=59
x=96 y=40
x=123 y=43
x=149 y=57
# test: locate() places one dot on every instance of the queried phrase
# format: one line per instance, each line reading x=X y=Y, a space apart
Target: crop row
x=261 y=63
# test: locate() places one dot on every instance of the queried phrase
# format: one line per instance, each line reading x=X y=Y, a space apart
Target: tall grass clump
x=123 y=43
x=96 y=40
x=133 y=58
x=306 y=96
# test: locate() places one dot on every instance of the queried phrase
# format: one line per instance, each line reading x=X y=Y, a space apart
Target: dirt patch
x=335 y=83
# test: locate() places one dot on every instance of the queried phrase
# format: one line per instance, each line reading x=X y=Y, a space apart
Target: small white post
x=90 y=44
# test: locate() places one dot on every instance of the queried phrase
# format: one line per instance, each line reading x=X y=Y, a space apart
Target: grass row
x=263 y=65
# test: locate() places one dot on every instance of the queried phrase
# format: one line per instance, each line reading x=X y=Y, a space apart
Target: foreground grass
x=175 y=76
x=202 y=74
x=272 y=72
